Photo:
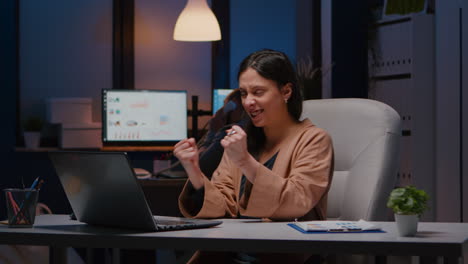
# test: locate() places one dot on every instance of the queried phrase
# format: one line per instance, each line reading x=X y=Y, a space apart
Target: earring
x=285 y=100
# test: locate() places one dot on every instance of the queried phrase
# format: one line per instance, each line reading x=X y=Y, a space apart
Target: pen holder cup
x=21 y=206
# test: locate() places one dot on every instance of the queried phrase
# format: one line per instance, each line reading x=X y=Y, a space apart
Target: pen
x=344 y=230
x=33 y=185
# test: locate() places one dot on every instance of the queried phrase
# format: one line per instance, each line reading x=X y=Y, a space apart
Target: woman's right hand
x=186 y=151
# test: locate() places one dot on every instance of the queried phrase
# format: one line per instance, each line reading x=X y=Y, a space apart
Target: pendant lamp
x=197 y=23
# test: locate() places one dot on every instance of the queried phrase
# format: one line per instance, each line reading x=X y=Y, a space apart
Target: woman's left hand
x=235 y=145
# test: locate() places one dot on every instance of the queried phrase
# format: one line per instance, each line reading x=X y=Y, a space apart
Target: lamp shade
x=197 y=23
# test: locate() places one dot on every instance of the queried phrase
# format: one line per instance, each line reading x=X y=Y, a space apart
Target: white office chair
x=366 y=141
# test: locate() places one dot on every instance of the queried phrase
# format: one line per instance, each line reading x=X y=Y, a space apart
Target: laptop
x=103 y=190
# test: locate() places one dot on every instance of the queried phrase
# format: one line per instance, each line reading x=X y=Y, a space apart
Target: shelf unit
x=116 y=148
x=403 y=77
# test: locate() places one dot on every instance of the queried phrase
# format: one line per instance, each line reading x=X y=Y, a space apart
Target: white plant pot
x=32 y=139
x=407 y=225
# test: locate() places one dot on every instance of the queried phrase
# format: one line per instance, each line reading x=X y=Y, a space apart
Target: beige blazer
x=296 y=187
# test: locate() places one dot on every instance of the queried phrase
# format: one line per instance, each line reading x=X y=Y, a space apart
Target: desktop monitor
x=143 y=117
x=218 y=98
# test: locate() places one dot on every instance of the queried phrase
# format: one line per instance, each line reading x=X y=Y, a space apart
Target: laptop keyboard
x=181 y=223
x=173 y=224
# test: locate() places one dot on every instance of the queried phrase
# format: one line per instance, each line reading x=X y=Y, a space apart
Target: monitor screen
x=218 y=98
x=143 y=117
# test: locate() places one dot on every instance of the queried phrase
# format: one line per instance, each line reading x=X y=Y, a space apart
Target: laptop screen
x=143 y=117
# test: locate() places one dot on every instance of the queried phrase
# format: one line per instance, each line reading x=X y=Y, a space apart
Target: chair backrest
x=366 y=141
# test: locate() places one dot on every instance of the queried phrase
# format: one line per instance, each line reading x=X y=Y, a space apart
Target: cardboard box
x=69 y=110
x=81 y=136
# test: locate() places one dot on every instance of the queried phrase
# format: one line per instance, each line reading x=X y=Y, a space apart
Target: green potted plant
x=408 y=203
x=32 y=127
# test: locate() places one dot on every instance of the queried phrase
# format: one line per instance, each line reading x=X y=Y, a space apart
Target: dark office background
x=293 y=27
x=275 y=28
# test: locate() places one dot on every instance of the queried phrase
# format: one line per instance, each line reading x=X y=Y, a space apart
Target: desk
x=137 y=148
x=449 y=240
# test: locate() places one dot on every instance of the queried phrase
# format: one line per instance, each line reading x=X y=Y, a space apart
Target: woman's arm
x=308 y=168
x=220 y=199
x=187 y=152
x=235 y=146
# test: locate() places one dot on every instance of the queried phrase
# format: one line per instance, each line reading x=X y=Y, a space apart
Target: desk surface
x=433 y=239
x=137 y=148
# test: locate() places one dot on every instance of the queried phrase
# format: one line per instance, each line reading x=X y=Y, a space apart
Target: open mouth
x=255 y=113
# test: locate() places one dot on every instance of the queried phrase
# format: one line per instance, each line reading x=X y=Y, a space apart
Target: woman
x=277 y=168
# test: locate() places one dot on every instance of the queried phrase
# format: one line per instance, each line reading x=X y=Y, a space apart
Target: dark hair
x=276 y=66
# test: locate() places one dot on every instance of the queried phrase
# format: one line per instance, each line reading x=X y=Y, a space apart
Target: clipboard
x=315 y=227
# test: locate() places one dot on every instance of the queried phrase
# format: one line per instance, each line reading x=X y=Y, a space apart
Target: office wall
x=261 y=24
x=304 y=28
x=349 y=48
x=8 y=69
x=163 y=63
x=448 y=114
x=65 y=51
x=464 y=99
x=452 y=110
x=327 y=47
